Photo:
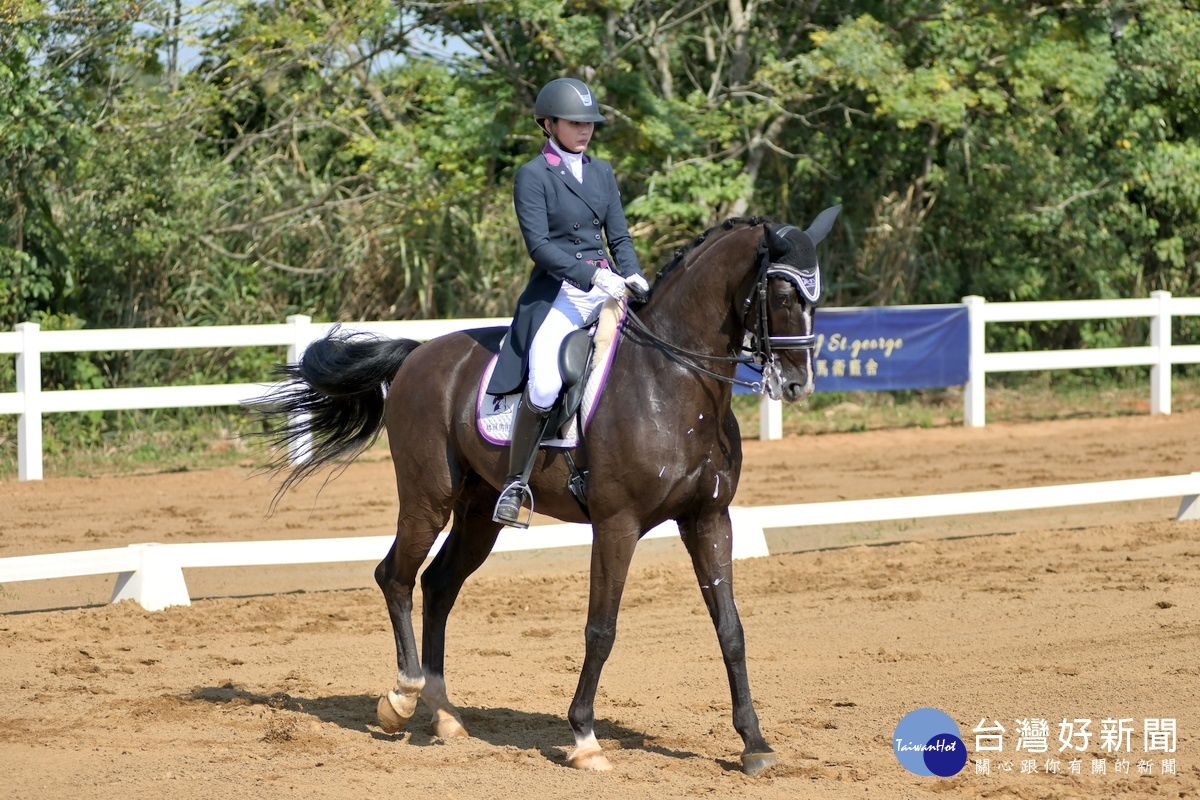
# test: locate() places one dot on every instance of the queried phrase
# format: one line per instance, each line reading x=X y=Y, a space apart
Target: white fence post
x=1160 y=339
x=749 y=538
x=1189 y=508
x=157 y=583
x=29 y=422
x=974 y=407
x=770 y=419
x=301 y=449
x=302 y=337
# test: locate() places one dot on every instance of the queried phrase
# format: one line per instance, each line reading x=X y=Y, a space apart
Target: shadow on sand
x=501 y=727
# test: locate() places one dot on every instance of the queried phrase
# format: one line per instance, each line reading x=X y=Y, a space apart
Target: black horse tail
x=330 y=406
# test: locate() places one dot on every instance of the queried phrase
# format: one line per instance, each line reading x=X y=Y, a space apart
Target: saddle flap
x=573 y=356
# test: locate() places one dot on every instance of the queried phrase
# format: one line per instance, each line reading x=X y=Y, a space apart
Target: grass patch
x=1027 y=397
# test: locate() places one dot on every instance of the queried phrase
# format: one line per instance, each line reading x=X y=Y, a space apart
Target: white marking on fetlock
x=396 y=707
x=409 y=689
x=447 y=724
x=588 y=755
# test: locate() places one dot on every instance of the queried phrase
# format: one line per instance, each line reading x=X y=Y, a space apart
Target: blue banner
x=878 y=349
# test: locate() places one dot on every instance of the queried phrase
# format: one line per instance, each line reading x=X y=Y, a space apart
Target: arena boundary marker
x=152 y=574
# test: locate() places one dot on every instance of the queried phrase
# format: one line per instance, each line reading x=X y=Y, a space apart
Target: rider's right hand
x=610 y=283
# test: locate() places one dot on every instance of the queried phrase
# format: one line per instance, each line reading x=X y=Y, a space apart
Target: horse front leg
x=611 y=555
x=396 y=576
x=709 y=541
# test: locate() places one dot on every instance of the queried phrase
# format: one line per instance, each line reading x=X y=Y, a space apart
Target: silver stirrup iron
x=516 y=521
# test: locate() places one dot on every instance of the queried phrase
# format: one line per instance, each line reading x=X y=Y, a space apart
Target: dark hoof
x=755 y=763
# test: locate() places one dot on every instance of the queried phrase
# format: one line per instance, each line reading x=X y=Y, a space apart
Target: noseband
x=762 y=344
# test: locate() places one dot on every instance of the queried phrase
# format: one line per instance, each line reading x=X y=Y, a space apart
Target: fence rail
x=29 y=343
x=152 y=574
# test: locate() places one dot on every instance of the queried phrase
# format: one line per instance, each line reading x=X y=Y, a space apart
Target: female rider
x=571 y=218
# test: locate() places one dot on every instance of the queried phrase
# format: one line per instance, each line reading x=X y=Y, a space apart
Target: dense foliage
x=233 y=161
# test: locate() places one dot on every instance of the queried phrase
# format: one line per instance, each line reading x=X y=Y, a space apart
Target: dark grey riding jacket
x=570 y=230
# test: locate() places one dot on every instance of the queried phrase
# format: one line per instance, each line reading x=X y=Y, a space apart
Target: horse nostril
x=797 y=390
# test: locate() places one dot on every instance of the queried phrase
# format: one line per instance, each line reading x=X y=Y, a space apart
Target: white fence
x=1159 y=354
x=29 y=343
x=152 y=574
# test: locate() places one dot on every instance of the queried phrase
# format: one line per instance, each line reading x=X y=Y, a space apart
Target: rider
x=564 y=201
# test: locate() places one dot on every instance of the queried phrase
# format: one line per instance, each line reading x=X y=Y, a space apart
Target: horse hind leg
x=471 y=540
x=396 y=577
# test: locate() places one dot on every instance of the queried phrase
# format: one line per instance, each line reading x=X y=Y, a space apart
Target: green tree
x=332 y=159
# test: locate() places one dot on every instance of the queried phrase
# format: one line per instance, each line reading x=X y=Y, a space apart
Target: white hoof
x=449 y=726
x=446 y=722
x=394 y=711
x=591 y=759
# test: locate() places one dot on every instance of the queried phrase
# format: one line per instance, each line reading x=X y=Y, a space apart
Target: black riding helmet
x=569 y=99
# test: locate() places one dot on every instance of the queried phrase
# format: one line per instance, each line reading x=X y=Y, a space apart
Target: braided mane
x=682 y=253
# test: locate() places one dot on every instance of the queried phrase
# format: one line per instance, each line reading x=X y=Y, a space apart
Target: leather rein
x=763 y=344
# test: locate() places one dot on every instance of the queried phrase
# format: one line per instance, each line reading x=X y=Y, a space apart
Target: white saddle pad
x=494 y=414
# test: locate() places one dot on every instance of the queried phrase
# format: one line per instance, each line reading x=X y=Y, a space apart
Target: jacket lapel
x=585 y=191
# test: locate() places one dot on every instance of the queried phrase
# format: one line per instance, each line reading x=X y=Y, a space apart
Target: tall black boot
x=529 y=423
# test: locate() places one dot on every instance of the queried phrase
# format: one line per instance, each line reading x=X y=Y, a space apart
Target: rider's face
x=573 y=136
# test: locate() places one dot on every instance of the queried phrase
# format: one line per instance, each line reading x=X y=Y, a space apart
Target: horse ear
x=777 y=246
x=823 y=224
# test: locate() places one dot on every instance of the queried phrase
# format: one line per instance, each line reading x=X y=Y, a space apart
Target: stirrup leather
x=510 y=505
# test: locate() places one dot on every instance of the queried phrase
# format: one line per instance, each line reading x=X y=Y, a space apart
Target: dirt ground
x=266 y=685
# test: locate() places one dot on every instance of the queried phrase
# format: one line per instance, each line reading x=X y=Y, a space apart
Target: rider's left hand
x=639 y=290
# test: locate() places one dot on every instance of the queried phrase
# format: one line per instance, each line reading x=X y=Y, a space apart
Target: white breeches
x=571 y=309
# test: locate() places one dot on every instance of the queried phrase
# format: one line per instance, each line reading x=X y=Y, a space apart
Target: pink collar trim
x=553 y=158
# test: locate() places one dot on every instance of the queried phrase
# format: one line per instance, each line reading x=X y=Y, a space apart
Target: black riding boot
x=529 y=423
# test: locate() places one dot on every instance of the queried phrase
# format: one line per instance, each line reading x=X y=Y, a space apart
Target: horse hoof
x=755 y=763
x=450 y=728
x=389 y=719
x=589 y=760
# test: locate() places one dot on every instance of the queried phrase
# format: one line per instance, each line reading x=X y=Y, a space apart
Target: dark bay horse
x=662 y=444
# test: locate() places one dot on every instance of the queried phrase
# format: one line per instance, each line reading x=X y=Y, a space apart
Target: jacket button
x=575 y=226
x=579 y=255
x=595 y=222
x=599 y=252
x=597 y=237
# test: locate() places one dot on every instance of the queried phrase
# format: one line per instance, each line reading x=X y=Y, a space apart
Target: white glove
x=637 y=282
x=610 y=283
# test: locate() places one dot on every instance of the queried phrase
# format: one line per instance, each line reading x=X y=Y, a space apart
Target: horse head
x=743 y=287
x=781 y=306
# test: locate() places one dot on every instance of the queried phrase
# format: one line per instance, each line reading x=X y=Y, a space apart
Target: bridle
x=762 y=345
